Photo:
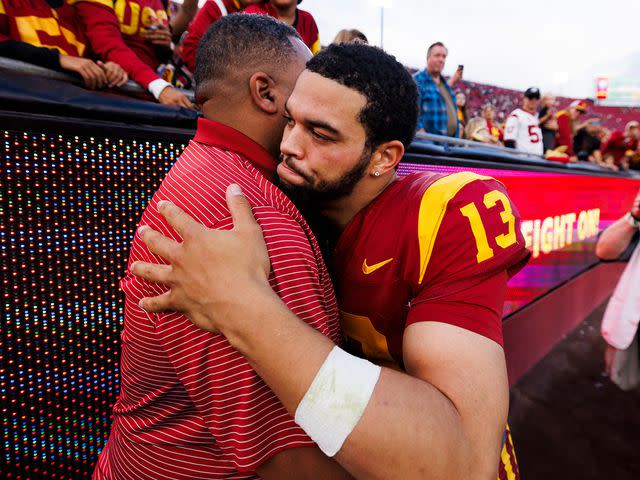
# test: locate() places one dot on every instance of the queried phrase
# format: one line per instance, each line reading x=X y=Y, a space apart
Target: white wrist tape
x=157 y=86
x=336 y=399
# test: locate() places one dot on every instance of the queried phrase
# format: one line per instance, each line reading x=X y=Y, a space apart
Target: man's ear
x=262 y=91
x=386 y=157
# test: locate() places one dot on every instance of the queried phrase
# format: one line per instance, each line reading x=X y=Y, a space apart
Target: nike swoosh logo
x=368 y=269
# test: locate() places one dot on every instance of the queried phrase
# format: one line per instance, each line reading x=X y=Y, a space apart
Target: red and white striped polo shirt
x=190 y=406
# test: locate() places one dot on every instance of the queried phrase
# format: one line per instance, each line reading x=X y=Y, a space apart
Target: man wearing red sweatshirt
x=287 y=11
x=134 y=34
x=567 y=126
x=211 y=12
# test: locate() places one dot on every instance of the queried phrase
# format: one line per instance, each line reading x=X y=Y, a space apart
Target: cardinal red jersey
x=431 y=247
x=207 y=15
x=304 y=24
x=36 y=23
x=564 y=136
x=133 y=16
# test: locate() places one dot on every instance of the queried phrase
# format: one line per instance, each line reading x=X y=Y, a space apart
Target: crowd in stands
x=564 y=130
x=154 y=43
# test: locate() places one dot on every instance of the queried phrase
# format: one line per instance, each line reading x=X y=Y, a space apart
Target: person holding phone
x=436 y=102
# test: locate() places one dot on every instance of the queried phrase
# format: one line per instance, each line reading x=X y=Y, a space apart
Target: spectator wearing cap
x=568 y=126
x=622 y=145
x=522 y=130
x=436 y=102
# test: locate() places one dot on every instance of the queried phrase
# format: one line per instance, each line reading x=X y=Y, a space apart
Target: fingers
x=154 y=272
x=163 y=246
x=93 y=76
x=181 y=222
x=185 y=102
x=158 y=304
x=239 y=208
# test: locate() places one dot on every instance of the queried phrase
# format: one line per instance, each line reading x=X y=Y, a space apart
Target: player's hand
x=159 y=35
x=91 y=73
x=116 y=76
x=635 y=207
x=211 y=272
x=171 y=96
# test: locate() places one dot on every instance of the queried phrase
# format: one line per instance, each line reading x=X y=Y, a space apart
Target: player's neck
x=530 y=111
x=341 y=211
x=287 y=15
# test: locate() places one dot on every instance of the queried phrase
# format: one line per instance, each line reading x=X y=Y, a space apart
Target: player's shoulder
x=562 y=113
x=517 y=114
x=439 y=189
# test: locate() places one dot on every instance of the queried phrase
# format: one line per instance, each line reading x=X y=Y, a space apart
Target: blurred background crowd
x=107 y=43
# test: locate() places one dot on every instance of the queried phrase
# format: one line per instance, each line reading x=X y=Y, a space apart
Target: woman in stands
x=33 y=31
x=461 y=105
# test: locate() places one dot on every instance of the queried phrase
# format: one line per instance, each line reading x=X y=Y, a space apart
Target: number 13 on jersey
x=490 y=202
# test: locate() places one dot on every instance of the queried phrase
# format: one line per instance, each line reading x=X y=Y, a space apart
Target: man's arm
x=426 y=427
x=102 y=29
x=616 y=238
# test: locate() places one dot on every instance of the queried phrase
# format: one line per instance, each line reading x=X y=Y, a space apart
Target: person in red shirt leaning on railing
x=136 y=35
x=621 y=146
x=287 y=11
x=211 y=12
x=568 y=126
x=33 y=31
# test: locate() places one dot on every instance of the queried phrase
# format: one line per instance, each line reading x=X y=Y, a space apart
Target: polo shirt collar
x=225 y=137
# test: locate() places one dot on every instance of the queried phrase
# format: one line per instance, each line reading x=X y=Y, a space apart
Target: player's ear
x=262 y=92
x=386 y=157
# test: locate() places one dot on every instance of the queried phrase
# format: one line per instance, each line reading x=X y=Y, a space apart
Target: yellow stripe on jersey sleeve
x=315 y=48
x=106 y=3
x=433 y=206
x=3 y=11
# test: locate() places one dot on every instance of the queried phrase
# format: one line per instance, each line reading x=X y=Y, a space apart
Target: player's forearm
x=615 y=240
x=285 y=351
x=409 y=428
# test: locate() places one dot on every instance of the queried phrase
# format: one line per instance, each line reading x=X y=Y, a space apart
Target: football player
x=420 y=266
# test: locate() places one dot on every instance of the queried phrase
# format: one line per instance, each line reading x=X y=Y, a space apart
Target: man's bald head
x=238 y=45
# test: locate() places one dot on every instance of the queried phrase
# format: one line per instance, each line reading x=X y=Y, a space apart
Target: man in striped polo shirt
x=190 y=405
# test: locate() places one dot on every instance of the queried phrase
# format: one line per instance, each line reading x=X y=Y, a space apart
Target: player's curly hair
x=391 y=112
x=237 y=42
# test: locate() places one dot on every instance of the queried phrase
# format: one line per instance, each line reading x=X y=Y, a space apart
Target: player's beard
x=315 y=192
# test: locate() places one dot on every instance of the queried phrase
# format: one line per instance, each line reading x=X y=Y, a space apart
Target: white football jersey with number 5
x=524 y=129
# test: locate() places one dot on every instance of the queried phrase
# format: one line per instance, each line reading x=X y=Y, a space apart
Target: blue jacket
x=432 y=115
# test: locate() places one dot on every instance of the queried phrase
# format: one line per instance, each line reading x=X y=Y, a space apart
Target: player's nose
x=292 y=142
